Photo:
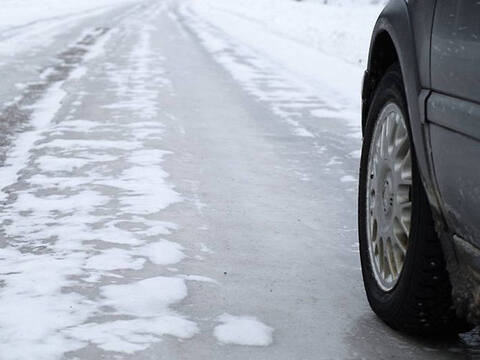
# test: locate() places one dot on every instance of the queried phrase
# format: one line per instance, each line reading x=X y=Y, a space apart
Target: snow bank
x=340 y=28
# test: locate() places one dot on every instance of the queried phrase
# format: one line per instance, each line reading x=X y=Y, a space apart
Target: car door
x=453 y=113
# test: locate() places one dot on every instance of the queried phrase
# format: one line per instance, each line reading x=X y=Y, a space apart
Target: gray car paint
x=454 y=111
x=409 y=28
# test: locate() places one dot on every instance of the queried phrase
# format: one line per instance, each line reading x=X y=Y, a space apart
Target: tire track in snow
x=23 y=118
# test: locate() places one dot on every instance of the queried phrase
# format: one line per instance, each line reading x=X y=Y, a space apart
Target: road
x=165 y=200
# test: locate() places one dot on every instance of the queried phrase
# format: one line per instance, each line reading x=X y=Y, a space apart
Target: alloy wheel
x=389 y=204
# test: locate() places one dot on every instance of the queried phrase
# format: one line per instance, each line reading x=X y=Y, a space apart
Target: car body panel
x=409 y=27
x=454 y=113
x=456 y=49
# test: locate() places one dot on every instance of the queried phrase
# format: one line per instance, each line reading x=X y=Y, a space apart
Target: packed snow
x=242 y=330
x=340 y=29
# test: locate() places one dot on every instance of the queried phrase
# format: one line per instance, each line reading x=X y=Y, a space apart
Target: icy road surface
x=168 y=192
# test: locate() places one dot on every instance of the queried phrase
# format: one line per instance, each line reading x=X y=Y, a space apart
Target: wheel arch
x=383 y=54
x=394 y=40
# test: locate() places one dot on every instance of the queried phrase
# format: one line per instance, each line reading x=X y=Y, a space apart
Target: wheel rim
x=389 y=205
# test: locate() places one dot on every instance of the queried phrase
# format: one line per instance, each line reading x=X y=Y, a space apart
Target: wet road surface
x=161 y=200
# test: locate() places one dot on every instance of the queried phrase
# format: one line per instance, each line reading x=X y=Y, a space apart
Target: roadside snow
x=340 y=29
x=297 y=81
x=25 y=32
x=21 y=13
x=242 y=330
x=305 y=59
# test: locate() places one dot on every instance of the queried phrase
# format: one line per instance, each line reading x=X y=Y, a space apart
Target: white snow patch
x=348 y=178
x=301 y=131
x=242 y=330
x=204 y=248
x=158 y=228
x=356 y=154
x=33 y=307
x=147 y=189
x=17 y=158
x=114 y=259
x=77 y=124
x=78 y=73
x=53 y=163
x=98 y=48
x=90 y=144
x=335 y=160
x=162 y=252
x=145 y=298
x=58 y=182
x=198 y=278
x=130 y=336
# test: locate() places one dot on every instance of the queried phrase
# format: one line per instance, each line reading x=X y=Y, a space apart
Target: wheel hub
x=388 y=202
x=387 y=196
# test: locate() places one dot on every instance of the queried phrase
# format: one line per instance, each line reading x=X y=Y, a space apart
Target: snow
x=43 y=112
x=319 y=49
x=75 y=218
x=199 y=278
x=256 y=41
x=340 y=29
x=84 y=196
x=146 y=298
x=130 y=336
x=18 y=13
x=90 y=212
x=54 y=164
x=78 y=73
x=18 y=156
x=162 y=252
x=113 y=259
x=97 y=49
x=26 y=25
x=348 y=178
x=242 y=330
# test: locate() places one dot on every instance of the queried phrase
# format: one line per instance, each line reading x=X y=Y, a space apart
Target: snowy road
x=169 y=192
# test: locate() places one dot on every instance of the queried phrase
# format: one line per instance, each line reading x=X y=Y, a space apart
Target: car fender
x=397 y=22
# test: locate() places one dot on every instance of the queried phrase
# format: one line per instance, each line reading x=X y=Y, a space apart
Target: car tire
x=419 y=301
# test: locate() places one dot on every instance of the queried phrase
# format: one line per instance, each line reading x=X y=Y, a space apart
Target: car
x=419 y=182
